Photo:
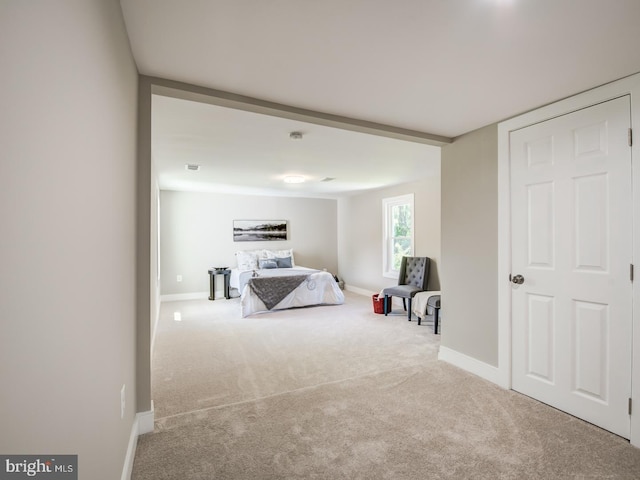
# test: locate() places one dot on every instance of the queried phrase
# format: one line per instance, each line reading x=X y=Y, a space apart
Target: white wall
x=196 y=232
x=360 y=230
x=67 y=248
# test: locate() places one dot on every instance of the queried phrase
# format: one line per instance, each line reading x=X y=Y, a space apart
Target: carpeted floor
x=339 y=392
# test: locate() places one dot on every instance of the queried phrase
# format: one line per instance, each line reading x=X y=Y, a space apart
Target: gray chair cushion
x=406 y=291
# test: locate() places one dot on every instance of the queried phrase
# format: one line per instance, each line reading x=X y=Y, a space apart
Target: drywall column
x=470 y=245
x=67 y=202
x=143 y=249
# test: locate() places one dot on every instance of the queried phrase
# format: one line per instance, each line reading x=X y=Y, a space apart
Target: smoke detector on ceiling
x=295 y=135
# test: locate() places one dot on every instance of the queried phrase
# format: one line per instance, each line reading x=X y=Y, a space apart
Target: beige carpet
x=339 y=392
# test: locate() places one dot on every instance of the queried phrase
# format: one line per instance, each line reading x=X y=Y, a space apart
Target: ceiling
x=433 y=66
x=251 y=153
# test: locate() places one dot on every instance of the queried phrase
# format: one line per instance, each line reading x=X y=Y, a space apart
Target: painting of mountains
x=259 y=230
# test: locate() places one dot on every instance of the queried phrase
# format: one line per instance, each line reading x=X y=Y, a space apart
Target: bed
x=269 y=280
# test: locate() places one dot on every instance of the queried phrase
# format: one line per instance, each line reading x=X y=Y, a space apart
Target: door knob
x=518 y=279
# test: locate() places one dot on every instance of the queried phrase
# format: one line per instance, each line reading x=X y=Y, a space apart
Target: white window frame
x=387 y=234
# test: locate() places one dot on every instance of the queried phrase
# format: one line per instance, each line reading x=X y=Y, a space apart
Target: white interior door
x=572 y=244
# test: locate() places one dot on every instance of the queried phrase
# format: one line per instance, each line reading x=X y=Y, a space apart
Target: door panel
x=571 y=240
x=540 y=234
x=540 y=323
x=591 y=232
x=591 y=331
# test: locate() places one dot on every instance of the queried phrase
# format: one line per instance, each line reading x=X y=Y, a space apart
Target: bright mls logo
x=43 y=467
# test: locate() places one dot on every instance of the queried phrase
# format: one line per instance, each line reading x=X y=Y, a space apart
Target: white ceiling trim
x=184 y=91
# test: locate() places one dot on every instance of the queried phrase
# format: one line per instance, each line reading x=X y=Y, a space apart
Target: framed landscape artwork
x=259 y=230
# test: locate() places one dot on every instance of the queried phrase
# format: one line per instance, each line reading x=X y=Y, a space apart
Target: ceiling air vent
x=192 y=167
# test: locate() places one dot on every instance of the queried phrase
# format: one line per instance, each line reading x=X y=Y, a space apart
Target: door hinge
x=631 y=272
x=630 y=137
x=630 y=404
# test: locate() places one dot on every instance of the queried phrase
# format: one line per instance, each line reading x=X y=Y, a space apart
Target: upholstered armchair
x=413 y=278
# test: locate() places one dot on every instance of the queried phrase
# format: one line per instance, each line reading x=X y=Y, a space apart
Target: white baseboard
x=127 y=468
x=471 y=365
x=359 y=291
x=174 y=297
x=396 y=301
x=143 y=423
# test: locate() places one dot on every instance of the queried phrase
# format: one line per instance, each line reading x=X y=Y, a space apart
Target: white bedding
x=239 y=278
x=320 y=288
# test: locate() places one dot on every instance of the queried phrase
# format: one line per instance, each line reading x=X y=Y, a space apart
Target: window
x=398 y=233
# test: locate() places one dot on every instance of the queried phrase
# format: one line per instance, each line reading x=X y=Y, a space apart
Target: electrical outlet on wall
x=179 y=278
x=123 y=401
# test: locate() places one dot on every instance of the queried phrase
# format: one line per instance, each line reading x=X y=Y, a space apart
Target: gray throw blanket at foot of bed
x=271 y=290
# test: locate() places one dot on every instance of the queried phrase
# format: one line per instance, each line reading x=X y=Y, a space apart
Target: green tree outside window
x=398 y=232
x=401 y=218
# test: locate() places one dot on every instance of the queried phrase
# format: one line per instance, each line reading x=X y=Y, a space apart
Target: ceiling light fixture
x=294 y=179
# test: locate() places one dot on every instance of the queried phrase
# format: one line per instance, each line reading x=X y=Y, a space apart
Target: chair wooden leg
x=436 y=314
x=385 y=306
x=404 y=304
x=409 y=311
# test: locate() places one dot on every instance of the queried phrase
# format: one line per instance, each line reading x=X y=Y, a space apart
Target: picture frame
x=259 y=230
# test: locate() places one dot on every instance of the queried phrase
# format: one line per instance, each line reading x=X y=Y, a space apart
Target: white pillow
x=263 y=254
x=281 y=254
x=247 y=260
